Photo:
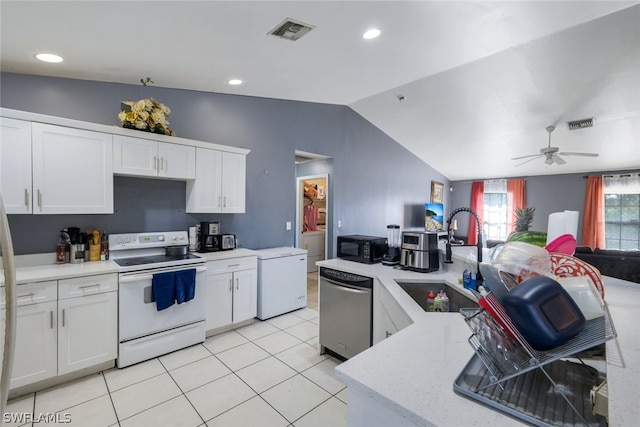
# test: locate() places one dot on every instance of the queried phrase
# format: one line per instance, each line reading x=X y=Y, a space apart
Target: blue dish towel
x=163 y=290
x=185 y=285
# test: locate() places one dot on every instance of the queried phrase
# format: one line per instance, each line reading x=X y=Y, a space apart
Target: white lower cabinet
x=87 y=331
x=58 y=336
x=35 y=356
x=232 y=291
x=388 y=316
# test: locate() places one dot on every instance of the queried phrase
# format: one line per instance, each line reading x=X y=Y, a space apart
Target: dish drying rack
x=539 y=387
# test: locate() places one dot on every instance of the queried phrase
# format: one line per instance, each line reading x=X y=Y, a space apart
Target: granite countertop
x=415 y=368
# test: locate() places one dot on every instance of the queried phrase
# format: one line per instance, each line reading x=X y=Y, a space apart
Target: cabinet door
x=234 y=171
x=204 y=194
x=245 y=295
x=87 y=331
x=35 y=356
x=176 y=161
x=72 y=171
x=15 y=165
x=219 y=300
x=135 y=156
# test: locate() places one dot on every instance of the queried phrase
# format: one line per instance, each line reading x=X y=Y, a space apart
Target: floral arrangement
x=146 y=114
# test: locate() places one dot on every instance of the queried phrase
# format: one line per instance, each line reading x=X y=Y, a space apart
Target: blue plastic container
x=543 y=312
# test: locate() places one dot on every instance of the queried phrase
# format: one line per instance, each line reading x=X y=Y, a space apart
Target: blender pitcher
x=392 y=257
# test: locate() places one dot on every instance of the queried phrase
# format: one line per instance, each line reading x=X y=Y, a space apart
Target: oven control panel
x=147 y=240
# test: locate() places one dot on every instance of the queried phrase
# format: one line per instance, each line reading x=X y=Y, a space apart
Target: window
x=494 y=210
x=622 y=211
x=494 y=216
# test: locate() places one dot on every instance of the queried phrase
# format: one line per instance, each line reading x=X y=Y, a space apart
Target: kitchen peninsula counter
x=409 y=377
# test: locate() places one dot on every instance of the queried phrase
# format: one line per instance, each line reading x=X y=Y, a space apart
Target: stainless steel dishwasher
x=346 y=312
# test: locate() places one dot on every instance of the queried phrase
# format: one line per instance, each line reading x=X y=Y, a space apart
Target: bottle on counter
x=104 y=247
x=437 y=302
x=445 y=302
x=431 y=301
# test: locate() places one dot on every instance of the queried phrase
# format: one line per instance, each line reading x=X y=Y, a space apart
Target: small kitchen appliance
x=392 y=256
x=359 y=248
x=218 y=242
x=419 y=251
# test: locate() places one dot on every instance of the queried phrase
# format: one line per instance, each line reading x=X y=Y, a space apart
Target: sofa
x=623 y=265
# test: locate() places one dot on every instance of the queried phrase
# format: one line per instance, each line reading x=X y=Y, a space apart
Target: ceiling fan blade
x=524 y=157
x=579 y=154
x=537 y=156
x=559 y=160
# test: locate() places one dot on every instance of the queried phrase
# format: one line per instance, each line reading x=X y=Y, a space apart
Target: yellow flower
x=131 y=116
x=122 y=116
x=139 y=106
x=157 y=116
x=143 y=115
x=139 y=124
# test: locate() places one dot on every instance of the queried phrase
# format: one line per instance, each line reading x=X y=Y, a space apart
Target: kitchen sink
x=420 y=290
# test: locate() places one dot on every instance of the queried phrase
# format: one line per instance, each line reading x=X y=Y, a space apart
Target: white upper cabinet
x=234 y=179
x=220 y=184
x=145 y=157
x=72 y=170
x=15 y=165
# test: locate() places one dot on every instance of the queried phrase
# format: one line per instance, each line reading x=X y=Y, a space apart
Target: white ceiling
x=480 y=80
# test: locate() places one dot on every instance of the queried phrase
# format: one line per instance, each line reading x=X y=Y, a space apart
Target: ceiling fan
x=552 y=154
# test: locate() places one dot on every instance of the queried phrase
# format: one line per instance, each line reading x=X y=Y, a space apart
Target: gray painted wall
x=374 y=180
x=547 y=193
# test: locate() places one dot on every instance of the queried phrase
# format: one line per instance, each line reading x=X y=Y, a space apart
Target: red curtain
x=516 y=198
x=593 y=220
x=476 y=205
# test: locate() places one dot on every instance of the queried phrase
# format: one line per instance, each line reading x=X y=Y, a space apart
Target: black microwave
x=365 y=249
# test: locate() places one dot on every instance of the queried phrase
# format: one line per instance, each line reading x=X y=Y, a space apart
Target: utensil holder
x=76 y=254
x=94 y=252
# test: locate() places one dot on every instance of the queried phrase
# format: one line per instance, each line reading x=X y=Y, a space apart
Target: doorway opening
x=312 y=217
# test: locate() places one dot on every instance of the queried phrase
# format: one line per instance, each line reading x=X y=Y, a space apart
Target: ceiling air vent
x=579 y=124
x=291 y=30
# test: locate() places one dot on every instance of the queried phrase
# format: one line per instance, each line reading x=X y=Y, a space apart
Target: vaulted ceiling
x=466 y=86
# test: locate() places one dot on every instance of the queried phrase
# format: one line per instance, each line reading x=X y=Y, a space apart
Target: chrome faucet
x=447 y=254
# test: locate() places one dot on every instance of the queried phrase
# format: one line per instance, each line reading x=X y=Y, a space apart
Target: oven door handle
x=146 y=276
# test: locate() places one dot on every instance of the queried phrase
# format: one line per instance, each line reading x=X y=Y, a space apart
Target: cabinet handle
x=230 y=285
x=237 y=284
x=233 y=265
x=162 y=163
x=389 y=334
x=155 y=163
x=26 y=295
x=225 y=202
x=51 y=318
x=63 y=317
x=97 y=285
x=26 y=197
x=39 y=199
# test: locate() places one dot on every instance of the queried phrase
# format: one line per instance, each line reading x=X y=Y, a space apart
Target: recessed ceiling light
x=371 y=34
x=49 y=57
x=234 y=82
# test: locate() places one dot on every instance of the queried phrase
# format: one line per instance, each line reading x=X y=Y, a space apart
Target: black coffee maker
x=208 y=235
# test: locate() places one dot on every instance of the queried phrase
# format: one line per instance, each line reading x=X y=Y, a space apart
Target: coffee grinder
x=392 y=257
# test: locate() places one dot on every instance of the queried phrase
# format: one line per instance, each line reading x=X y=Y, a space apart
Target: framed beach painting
x=437 y=189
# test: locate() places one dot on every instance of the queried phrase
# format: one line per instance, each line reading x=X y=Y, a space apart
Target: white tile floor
x=264 y=374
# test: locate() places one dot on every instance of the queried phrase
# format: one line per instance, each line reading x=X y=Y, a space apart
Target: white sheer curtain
x=621 y=184
x=495 y=186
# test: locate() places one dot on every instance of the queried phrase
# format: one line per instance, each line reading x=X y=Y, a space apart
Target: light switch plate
x=287 y=225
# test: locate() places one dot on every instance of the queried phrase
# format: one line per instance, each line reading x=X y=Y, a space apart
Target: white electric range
x=145 y=330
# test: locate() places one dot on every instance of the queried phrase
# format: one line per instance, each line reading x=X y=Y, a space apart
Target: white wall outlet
x=287 y=225
x=339 y=223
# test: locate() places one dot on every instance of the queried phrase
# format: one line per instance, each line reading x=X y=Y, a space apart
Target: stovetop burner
x=152 y=259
